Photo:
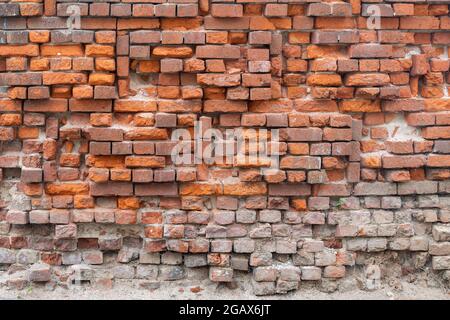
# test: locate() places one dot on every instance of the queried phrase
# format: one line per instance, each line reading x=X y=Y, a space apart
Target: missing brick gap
x=399 y=130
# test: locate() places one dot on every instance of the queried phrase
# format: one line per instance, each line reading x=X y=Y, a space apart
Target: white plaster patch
x=399 y=130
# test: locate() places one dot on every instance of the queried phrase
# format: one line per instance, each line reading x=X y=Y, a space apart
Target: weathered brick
x=340 y=96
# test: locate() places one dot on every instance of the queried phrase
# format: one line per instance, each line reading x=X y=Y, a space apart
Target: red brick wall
x=359 y=102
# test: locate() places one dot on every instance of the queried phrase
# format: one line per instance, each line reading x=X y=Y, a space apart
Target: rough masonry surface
x=92 y=92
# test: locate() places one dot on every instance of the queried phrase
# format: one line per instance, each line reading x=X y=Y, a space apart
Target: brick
x=289 y=190
x=371 y=51
x=436 y=132
x=403 y=105
x=224 y=106
x=172 y=52
x=218 y=52
x=146 y=134
x=227 y=10
x=171 y=65
x=39 y=273
x=111 y=188
x=31 y=175
x=441 y=263
x=403 y=162
x=144 y=161
x=420 y=65
x=105 y=134
x=366 y=79
x=417 y=187
x=28 y=50
x=11 y=79
x=17 y=217
x=218 y=80
x=378 y=188
x=156 y=189
x=145 y=36
x=419 y=23
x=226 y=23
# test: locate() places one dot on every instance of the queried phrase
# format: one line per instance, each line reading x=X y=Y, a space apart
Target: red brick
x=227 y=10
